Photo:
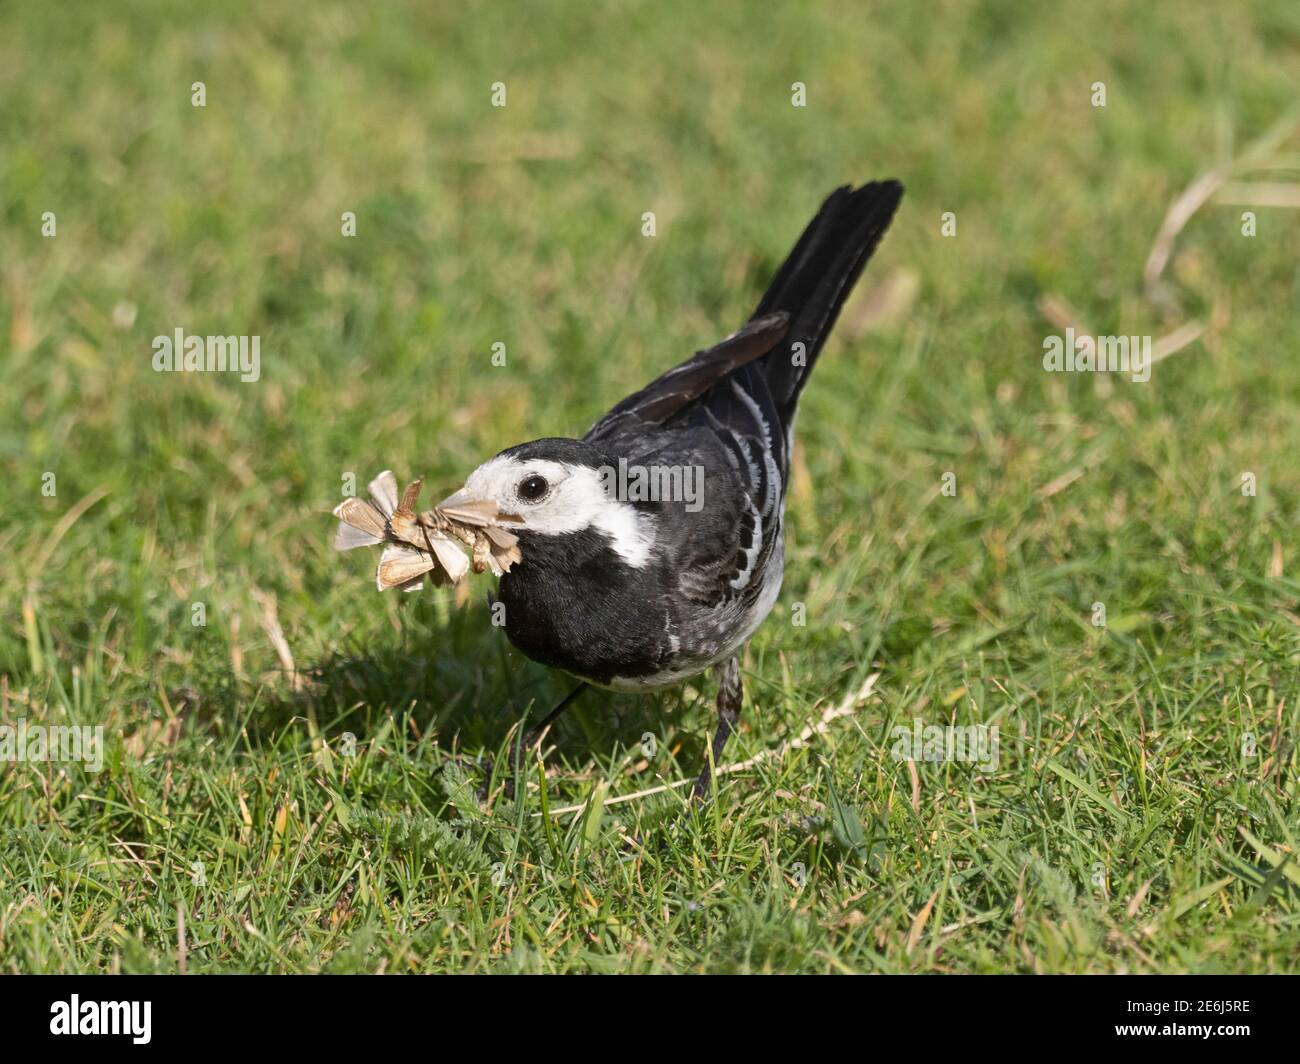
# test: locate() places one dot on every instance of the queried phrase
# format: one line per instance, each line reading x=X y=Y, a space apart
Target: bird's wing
x=759 y=504
x=674 y=391
x=718 y=543
x=716 y=406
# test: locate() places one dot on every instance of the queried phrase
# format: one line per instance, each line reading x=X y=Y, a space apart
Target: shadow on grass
x=470 y=705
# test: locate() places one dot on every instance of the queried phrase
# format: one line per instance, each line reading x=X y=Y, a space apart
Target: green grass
x=1143 y=813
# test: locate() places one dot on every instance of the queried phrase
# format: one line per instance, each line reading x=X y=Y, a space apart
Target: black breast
x=573 y=604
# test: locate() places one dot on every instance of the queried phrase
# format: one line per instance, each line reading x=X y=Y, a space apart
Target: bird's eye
x=532 y=488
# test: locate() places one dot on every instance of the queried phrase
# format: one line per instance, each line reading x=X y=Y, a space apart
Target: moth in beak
x=477 y=523
x=416 y=544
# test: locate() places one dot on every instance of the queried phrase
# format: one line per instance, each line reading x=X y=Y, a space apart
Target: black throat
x=576 y=605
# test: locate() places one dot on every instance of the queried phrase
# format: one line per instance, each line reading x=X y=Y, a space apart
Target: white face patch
x=574 y=499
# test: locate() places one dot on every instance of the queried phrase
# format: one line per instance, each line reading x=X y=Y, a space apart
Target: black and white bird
x=638 y=594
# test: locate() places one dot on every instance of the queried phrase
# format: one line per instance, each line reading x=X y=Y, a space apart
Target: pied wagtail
x=637 y=594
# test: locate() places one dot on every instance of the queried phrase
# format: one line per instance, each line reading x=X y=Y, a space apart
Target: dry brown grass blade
x=1180 y=212
x=1260 y=154
x=51 y=542
x=270 y=621
x=1061 y=314
x=918 y=925
x=1171 y=343
x=1259 y=194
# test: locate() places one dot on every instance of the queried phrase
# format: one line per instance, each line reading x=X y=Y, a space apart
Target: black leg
x=535 y=732
x=730 y=694
x=531 y=736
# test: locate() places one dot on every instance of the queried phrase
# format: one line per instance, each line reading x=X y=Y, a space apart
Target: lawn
x=1106 y=571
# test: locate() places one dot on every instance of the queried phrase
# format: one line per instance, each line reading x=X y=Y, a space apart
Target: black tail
x=817 y=277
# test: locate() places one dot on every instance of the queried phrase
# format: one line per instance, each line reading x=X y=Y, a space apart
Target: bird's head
x=561 y=489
